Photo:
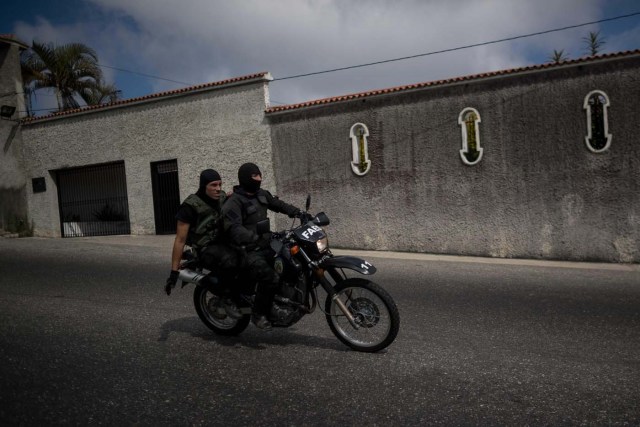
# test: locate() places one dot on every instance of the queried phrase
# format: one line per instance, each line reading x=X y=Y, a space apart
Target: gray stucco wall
x=219 y=128
x=538 y=192
x=12 y=178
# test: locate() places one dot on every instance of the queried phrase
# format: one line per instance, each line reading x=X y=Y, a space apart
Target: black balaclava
x=244 y=177
x=207 y=176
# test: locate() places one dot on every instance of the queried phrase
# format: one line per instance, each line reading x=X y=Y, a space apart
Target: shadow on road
x=250 y=338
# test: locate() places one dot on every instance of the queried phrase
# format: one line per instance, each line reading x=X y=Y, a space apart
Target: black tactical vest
x=254 y=209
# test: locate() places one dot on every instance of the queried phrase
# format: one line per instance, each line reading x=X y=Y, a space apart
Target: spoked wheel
x=213 y=315
x=375 y=315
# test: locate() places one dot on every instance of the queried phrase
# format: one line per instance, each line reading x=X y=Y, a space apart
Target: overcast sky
x=199 y=41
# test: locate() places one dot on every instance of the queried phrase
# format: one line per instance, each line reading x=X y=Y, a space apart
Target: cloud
x=623 y=41
x=210 y=40
x=196 y=41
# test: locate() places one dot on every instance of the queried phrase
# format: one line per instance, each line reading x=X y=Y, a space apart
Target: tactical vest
x=254 y=209
x=209 y=222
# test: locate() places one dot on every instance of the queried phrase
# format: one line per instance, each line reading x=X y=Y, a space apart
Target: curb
x=166 y=241
x=485 y=260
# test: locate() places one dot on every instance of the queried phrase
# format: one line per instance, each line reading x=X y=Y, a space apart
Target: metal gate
x=93 y=200
x=166 y=195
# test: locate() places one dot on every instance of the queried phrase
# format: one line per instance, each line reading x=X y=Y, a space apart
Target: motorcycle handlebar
x=305 y=217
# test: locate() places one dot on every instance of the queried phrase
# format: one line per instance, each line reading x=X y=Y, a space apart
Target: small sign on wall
x=39 y=185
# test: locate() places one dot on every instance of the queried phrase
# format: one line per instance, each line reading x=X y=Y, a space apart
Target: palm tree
x=68 y=69
x=28 y=77
x=558 y=56
x=594 y=42
x=101 y=93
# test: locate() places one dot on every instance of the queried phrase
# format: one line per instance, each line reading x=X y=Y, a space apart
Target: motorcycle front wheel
x=206 y=307
x=375 y=314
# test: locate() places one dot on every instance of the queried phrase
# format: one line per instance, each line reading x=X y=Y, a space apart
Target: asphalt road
x=87 y=336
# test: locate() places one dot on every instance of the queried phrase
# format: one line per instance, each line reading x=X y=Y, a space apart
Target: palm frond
x=558 y=56
x=72 y=70
x=594 y=42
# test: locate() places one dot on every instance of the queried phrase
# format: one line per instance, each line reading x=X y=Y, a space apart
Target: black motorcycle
x=360 y=313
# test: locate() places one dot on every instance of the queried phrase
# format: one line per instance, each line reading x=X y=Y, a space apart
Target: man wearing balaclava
x=200 y=226
x=247 y=206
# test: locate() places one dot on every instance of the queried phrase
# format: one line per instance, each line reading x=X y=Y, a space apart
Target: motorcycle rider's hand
x=304 y=216
x=171 y=281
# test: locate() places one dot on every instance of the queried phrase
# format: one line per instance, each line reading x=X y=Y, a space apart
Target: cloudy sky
x=188 y=42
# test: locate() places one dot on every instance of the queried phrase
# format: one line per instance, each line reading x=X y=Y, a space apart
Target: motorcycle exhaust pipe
x=190 y=276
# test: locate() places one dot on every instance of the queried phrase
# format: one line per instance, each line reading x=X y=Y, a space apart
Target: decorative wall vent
x=598 y=138
x=360 y=163
x=469 y=120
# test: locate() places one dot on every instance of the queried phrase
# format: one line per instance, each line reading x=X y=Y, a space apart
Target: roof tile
x=148 y=97
x=336 y=99
x=11 y=38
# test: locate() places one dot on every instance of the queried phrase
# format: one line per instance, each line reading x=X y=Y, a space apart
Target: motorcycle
x=360 y=313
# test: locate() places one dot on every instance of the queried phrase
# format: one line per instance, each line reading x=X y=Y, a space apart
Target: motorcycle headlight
x=323 y=244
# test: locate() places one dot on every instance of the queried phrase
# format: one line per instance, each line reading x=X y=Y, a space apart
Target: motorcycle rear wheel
x=202 y=300
x=374 y=311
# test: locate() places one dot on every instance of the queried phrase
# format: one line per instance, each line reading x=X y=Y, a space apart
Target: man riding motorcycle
x=360 y=313
x=200 y=226
x=245 y=208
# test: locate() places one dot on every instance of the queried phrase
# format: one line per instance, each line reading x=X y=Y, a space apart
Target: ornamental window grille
x=596 y=105
x=360 y=163
x=469 y=121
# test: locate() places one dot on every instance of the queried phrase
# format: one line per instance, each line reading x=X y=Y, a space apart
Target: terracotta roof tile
x=196 y=88
x=11 y=38
x=545 y=66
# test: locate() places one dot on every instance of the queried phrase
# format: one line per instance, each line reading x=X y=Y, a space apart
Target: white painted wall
x=220 y=128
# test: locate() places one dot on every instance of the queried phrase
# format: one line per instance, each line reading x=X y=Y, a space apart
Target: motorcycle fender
x=358 y=264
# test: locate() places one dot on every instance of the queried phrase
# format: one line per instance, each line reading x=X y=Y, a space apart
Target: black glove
x=171 y=281
x=295 y=214
x=304 y=217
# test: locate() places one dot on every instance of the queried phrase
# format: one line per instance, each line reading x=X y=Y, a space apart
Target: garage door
x=93 y=200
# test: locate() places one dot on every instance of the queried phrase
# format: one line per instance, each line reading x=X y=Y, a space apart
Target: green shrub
x=109 y=213
x=20 y=225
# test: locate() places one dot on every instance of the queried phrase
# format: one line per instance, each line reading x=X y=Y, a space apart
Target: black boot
x=261 y=322
x=262 y=306
x=231 y=308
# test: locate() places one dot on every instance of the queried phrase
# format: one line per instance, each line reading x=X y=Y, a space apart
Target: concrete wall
x=219 y=128
x=538 y=192
x=12 y=177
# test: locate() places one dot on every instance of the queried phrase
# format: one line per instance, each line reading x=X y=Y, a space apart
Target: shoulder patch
x=232 y=215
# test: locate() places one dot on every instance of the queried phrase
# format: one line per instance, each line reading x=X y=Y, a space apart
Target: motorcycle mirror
x=308 y=204
x=321 y=219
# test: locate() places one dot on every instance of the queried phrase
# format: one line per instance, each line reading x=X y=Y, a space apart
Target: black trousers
x=223 y=260
x=260 y=270
x=219 y=256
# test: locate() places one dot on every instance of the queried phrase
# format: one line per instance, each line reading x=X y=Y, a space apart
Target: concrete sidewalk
x=165 y=241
